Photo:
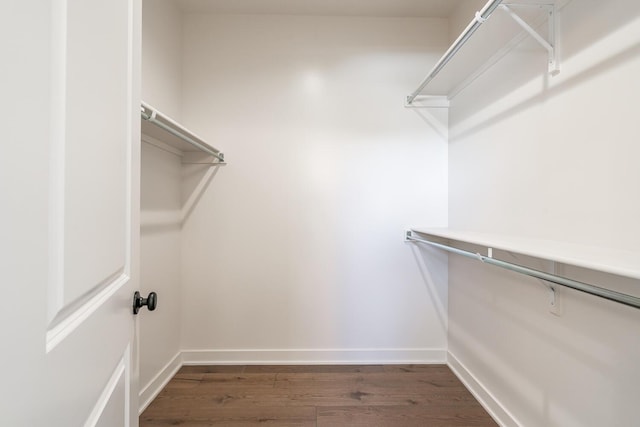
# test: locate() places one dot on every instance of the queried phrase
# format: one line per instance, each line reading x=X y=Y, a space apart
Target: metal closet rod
x=619 y=297
x=176 y=131
x=475 y=23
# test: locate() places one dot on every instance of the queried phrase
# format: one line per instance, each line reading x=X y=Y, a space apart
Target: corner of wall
x=162 y=378
x=488 y=401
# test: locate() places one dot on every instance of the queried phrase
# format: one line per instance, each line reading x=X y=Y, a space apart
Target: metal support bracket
x=408 y=234
x=427 y=101
x=555 y=297
x=552 y=298
x=550 y=44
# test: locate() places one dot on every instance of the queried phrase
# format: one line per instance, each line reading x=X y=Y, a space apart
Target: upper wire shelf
x=165 y=129
x=515 y=22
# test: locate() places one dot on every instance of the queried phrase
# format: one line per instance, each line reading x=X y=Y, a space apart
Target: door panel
x=81 y=372
x=90 y=151
x=113 y=402
x=96 y=146
x=69 y=230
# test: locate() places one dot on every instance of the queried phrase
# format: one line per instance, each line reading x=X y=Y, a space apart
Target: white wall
x=556 y=153
x=159 y=331
x=161 y=56
x=553 y=158
x=294 y=251
x=161 y=200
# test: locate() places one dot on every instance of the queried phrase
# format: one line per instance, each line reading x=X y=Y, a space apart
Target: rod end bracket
x=408 y=234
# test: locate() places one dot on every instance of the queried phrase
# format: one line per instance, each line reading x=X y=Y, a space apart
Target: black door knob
x=138 y=301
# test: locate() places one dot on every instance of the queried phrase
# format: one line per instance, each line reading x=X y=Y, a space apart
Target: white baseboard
x=155 y=386
x=315 y=357
x=488 y=401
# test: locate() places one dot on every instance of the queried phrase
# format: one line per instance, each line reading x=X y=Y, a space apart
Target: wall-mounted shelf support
x=550 y=44
x=588 y=288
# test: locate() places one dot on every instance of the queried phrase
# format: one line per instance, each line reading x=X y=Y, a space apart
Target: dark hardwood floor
x=371 y=396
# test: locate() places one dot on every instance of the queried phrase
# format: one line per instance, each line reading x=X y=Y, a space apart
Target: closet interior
x=285 y=172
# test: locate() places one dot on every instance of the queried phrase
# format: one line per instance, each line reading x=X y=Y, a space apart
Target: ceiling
x=391 y=8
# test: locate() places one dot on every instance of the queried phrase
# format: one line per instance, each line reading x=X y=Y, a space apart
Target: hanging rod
x=475 y=23
x=608 y=294
x=154 y=116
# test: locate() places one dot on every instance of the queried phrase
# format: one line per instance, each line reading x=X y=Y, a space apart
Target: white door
x=69 y=194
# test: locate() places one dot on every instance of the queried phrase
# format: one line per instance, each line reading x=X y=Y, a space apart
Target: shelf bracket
x=550 y=44
x=427 y=101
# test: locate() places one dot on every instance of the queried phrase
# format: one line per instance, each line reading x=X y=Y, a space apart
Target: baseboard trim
x=488 y=401
x=315 y=357
x=155 y=386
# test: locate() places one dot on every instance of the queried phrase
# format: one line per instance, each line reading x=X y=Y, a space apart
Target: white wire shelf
x=501 y=26
x=162 y=128
x=613 y=261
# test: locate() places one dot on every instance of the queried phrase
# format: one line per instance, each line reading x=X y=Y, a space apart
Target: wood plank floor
x=371 y=396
